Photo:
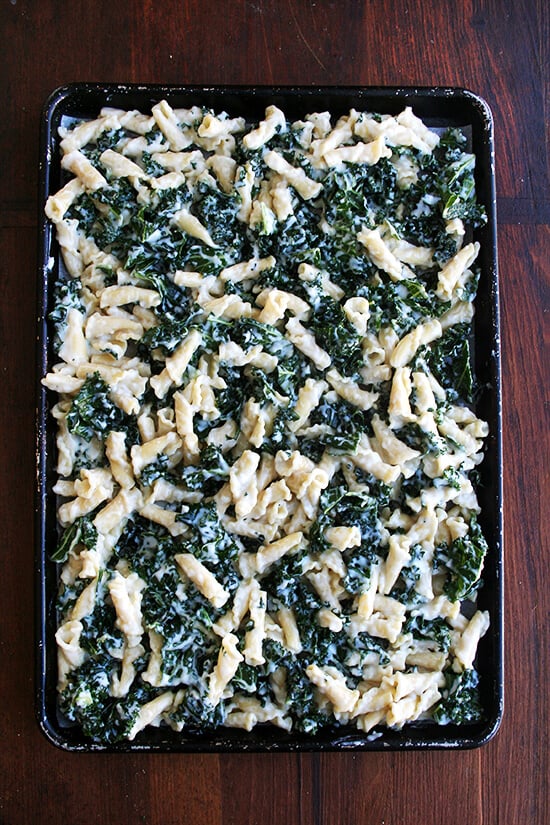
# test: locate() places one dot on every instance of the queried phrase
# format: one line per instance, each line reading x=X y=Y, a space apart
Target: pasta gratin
x=267 y=446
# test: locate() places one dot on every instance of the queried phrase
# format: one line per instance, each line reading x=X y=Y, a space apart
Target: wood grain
x=499 y=50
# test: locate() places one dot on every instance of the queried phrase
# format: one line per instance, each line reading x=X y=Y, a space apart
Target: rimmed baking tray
x=439 y=108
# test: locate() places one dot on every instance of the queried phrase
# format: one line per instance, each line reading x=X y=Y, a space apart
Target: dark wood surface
x=498 y=49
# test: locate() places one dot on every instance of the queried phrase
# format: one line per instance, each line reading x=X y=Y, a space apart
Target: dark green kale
x=80 y=532
x=166 y=337
x=87 y=700
x=211 y=472
x=405 y=588
x=109 y=139
x=347 y=422
x=246 y=678
x=189 y=650
x=422 y=440
x=359 y=195
x=302 y=704
x=84 y=210
x=151 y=166
x=217 y=212
x=457 y=182
x=367 y=644
x=436 y=630
x=196 y=713
x=461 y=701
x=210 y=542
x=463 y=559
x=100 y=635
x=339 y=506
x=175 y=303
x=448 y=358
x=337 y=336
x=402 y=305
x=444 y=189
x=146 y=546
x=93 y=413
x=66 y=295
x=412 y=487
x=231 y=399
x=159 y=468
x=297 y=240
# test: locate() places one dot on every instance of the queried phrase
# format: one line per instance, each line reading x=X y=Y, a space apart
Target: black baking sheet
x=439 y=108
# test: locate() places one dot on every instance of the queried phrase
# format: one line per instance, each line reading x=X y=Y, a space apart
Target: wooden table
x=498 y=49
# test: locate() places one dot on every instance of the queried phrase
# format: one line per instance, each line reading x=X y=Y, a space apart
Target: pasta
x=265 y=431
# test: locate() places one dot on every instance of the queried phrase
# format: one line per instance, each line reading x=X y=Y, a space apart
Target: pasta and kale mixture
x=267 y=449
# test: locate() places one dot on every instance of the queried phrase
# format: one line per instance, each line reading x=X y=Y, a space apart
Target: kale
x=359 y=509
x=246 y=678
x=450 y=477
x=231 y=399
x=359 y=570
x=92 y=412
x=424 y=441
x=161 y=611
x=404 y=590
x=66 y=295
x=249 y=333
x=215 y=331
x=87 y=700
x=109 y=275
x=68 y=595
x=461 y=702
x=217 y=211
x=367 y=644
x=109 y=229
x=188 y=650
x=151 y=166
x=195 y=712
x=302 y=704
x=100 y=635
x=402 y=305
x=281 y=437
x=175 y=303
x=284 y=583
x=449 y=360
x=359 y=195
x=84 y=210
x=211 y=472
x=431 y=629
x=444 y=189
x=109 y=139
x=412 y=487
x=377 y=489
x=291 y=369
x=120 y=196
x=80 y=533
x=347 y=422
x=464 y=562
x=337 y=335
x=166 y=336
x=339 y=506
x=457 y=183
x=211 y=543
x=200 y=258
x=262 y=389
x=159 y=468
x=146 y=546
x=299 y=238
x=310 y=447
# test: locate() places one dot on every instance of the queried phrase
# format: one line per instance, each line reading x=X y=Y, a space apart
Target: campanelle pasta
x=266 y=442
